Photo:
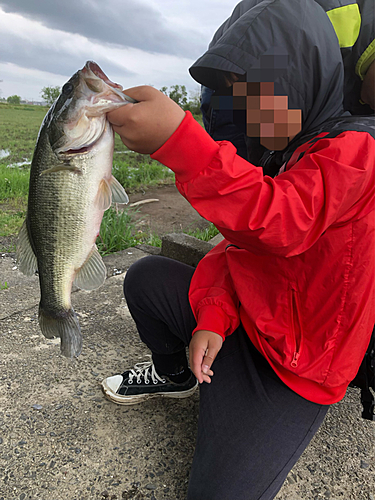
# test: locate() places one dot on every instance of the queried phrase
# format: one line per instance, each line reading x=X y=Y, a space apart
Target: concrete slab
x=184 y=248
x=60 y=439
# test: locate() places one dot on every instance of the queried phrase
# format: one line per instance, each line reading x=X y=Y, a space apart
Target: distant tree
x=194 y=103
x=14 y=99
x=50 y=94
x=177 y=93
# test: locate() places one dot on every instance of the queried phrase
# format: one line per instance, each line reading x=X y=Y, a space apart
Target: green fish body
x=71 y=185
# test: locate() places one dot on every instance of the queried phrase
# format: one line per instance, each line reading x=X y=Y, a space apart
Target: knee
x=137 y=274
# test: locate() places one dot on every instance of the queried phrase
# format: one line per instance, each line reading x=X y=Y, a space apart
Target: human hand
x=203 y=349
x=146 y=125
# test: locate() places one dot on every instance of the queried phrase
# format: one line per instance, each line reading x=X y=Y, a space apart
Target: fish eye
x=67 y=89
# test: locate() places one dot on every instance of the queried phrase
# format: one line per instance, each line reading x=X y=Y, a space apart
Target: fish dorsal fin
x=26 y=258
x=93 y=272
x=118 y=192
x=104 y=196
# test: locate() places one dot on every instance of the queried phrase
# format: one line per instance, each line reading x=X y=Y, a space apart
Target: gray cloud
x=37 y=56
x=130 y=23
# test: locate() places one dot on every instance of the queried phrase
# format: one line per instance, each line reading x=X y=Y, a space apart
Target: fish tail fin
x=66 y=326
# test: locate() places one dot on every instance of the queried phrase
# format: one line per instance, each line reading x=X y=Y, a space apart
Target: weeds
x=139 y=171
x=12 y=215
x=204 y=234
x=116 y=231
x=19 y=126
x=5 y=286
x=14 y=182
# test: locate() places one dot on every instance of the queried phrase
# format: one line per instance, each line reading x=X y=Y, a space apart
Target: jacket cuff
x=188 y=151
x=214 y=319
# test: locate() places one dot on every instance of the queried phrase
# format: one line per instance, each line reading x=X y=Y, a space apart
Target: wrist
x=188 y=150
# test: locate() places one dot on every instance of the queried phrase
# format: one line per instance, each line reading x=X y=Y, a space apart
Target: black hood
x=289 y=42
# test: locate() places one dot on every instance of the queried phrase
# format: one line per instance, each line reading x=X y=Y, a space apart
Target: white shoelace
x=143 y=370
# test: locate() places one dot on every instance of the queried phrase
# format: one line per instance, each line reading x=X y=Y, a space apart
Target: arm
x=283 y=216
x=215 y=306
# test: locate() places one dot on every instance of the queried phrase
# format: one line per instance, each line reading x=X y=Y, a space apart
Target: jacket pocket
x=296 y=325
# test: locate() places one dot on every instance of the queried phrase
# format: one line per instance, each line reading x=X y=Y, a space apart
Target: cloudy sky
x=136 y=42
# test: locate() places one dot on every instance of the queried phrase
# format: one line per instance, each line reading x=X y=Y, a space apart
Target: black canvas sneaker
x=142 y=382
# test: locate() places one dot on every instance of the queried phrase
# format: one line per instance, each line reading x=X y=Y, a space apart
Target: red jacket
x=297 y=266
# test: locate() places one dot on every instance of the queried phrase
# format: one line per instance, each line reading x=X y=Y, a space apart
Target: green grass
x=115 y=232
x=3 y=287
x=12 y=215
x=19 y=127
x=14 y=182
x=118 y=232
x=204 y=234
x=135 y=171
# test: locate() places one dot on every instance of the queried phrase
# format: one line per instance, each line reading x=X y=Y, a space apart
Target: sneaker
x=143 y=382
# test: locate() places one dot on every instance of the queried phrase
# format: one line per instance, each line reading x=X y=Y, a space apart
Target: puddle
x=20 y=164
x=4 y=153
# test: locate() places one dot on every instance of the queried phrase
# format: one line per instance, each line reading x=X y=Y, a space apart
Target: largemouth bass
x=71 y=185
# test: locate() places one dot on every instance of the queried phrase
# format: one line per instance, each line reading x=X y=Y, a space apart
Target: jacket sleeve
x=284 y=216
x=212 y=295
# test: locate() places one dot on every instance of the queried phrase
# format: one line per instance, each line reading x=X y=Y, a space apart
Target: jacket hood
x=291 y=43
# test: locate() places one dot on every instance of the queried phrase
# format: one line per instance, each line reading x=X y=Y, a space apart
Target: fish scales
x=71 y=185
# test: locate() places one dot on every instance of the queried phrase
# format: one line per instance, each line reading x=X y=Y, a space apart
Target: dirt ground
x=171 y=214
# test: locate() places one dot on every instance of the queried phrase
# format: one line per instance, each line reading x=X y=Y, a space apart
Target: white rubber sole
x=140 y=398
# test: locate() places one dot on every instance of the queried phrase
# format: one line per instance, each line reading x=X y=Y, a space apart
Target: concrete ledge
x=184 y=248
x=216 y=239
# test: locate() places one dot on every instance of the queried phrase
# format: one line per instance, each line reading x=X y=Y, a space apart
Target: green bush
x=14 y=182
x=204 y=234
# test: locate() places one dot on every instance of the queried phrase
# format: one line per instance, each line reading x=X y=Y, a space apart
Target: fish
x=71 y=185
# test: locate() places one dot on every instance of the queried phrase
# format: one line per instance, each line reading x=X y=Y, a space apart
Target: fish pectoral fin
x=62 y=168
x=118 y=192
x=104 y=196
x=26 y=259
x=93 y=272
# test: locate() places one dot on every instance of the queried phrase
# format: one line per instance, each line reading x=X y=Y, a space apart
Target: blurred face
x=259 y=113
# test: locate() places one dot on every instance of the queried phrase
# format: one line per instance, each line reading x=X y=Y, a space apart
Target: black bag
x=365 y=380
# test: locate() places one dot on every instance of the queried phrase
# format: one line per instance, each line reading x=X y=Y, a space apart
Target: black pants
x=252 y=428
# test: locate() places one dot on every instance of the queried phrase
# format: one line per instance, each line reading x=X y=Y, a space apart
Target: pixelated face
x=260 y=113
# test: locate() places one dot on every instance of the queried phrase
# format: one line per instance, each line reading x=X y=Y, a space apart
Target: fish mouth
x=95 y=68
x=84 y=123
x=78 y=151
x=94 y=78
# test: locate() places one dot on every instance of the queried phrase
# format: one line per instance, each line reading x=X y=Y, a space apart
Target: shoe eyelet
x=138 y=381
x=163 y=380
x=155 y=382
x=130 y=381
x=147 y=381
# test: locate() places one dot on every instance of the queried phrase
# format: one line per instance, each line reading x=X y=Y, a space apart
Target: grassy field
x=19 y=127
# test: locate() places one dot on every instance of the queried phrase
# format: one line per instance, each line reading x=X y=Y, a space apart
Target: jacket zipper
x=297 y=328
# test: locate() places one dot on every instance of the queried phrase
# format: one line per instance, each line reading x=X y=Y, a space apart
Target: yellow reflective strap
x=365 y=60
x=347 y=22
